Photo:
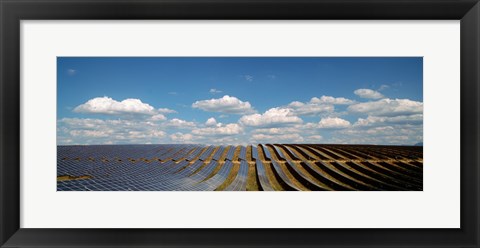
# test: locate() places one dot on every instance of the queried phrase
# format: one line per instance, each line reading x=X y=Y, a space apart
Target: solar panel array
x=263 y=167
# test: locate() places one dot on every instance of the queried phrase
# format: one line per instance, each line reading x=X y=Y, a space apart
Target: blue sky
x=239 y=100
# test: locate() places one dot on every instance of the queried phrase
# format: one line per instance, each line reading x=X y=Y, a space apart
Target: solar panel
x=280 y=154
x=217 y=180
x=230 y=153
x=219 y=153
x=243 y=153
x=254 y=152
x=183 y=167
x=283 y=178
x=171 y=153
x=262 y=177
x=290 y=152
x=207 y=153
x=303 y=178
x=205 y=171
x=195 y=153
x=268 y=156
x=240 y=181
x=181 y=154
x=191 y=168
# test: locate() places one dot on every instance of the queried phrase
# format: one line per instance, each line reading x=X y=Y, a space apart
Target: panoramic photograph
x=239 y=123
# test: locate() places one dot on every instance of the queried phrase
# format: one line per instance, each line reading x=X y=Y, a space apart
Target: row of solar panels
x=171 y=177
x=178 y=152
x=81 y=166
x=291 y=167
x=119 y=151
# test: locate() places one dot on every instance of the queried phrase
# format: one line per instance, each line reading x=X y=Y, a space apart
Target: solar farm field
x=265 y=167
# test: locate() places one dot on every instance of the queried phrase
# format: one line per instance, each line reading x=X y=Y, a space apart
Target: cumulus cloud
x=333 y=122
x=211 y=122
x=272 y=117
x=215 y=91
x=283 y=138
x=180 y=124
x=276 y=130
x=309 y=109
x=226 y=104
x=388 y=107
x=318 y=105
x=248 y=78
x=158 y=117
x=331 y=100
x=166 y=111
x=315 y=138
x=385 y=134
x=182 y=138
x=309 y=132
x=91 y=133
x=222 y=130
x=98 y=131
x=108 y=106
x=416 y=119
x=383 y=121
x=368 y=93
x=293 y=134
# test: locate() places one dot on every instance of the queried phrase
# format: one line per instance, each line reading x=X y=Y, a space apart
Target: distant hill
x=419 y=144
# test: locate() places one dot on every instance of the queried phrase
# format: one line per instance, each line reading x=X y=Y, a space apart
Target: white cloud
x=315 y=138
x=296 y=104
x=284 y=138
x=271 y=117
x=223 y=130
x=215 y=91
x=388 y=107
x=317 y=106
x=182 y=138
x=91 y=133
x=158 y=117
x=211 y=122
x=166 y=111
x=181 y=124
x=368 y=93
x=226 y=104
x=396 y=135
x=97 y=131
x=333 y=122
x=106 y=105
x=293 y=134
x=248 y=78
x=145 y=133
x=309 y=109
x=416 y=119
x=331 y=100
x=83 y=123
x=276 y=130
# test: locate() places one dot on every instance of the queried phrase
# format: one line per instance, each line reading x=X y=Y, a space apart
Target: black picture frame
x=13 y=11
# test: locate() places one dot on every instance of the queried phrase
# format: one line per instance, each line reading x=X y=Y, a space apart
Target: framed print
x=87 y=160
x=238 y=123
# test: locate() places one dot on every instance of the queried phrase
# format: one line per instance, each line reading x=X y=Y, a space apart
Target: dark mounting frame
x=13 y=11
